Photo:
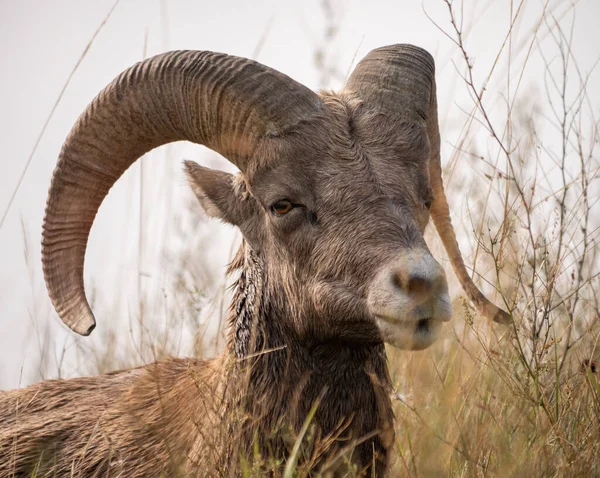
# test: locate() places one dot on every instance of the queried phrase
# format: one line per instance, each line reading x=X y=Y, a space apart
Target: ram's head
x=333 y=194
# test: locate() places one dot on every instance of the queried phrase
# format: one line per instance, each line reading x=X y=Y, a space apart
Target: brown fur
x=300 y=330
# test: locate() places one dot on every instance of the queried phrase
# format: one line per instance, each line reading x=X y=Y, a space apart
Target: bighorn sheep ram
x=333 y=195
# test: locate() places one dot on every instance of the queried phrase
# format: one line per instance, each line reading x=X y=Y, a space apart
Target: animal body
x=333 y=195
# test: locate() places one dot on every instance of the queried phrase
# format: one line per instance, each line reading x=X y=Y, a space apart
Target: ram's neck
x=278 y=379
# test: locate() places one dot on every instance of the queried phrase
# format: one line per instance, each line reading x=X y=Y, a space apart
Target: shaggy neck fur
x=277 y=381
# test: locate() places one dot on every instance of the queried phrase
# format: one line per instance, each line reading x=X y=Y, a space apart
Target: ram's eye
x=282 y=207
x=427 y=203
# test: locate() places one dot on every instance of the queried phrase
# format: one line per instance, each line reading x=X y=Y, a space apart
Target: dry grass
x=522 y=401
x=486 y=400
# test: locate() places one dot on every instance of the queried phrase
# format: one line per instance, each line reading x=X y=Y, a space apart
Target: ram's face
x=338 y=217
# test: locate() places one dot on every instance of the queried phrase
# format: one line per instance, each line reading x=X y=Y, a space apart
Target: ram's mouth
x=409 y=334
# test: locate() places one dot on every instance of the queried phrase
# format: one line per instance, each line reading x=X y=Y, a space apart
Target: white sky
x=41 y=43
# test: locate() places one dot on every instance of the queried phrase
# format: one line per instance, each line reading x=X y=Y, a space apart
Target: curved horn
x=223 y=102
x=400 y=79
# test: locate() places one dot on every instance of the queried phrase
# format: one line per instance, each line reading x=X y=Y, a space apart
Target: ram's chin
x=409 y=335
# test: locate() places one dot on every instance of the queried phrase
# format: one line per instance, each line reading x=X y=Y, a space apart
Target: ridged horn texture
x=400 y=80
x=223 y=102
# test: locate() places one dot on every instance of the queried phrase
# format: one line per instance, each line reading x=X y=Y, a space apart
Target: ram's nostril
x=418 y=286
x=398 y=280
x=414 y=279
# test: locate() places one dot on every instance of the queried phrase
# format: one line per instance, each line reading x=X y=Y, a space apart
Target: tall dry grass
x=487 y=400
x=523 y=400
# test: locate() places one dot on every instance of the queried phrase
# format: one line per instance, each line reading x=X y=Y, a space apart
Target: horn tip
x=502 y=317
x=84 y=326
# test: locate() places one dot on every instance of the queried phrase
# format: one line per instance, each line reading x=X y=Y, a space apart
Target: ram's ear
x=221 y=195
